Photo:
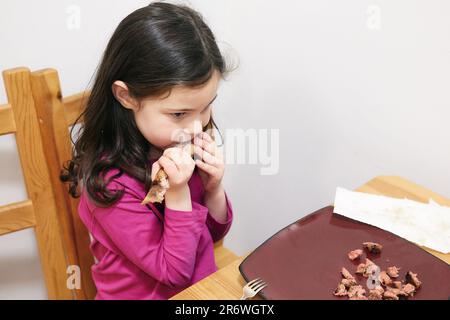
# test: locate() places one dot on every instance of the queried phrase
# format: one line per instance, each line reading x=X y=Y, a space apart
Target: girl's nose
x=195 y=129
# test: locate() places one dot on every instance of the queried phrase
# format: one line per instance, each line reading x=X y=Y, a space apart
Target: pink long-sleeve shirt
x=146 y=252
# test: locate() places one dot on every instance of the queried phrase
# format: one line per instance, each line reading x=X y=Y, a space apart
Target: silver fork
x=252 y=288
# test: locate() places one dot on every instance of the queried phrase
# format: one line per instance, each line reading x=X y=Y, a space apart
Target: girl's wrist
x=179 y=198
x=217 y=190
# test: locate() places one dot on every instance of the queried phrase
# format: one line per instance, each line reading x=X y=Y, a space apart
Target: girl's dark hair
x=152 y=50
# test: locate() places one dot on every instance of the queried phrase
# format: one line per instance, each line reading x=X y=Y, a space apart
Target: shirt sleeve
x=165 y=251
x=217 y=229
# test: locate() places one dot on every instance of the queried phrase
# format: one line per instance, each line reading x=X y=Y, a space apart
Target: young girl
x=154 y=88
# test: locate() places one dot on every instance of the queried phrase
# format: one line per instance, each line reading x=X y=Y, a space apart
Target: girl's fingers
x=206 y=145
x=207 y=137
x=215 y=149
x=218 y=154
x=168 y=165
x=187 y=149
x=206 y=167
x=205 y=156
x=175 y=155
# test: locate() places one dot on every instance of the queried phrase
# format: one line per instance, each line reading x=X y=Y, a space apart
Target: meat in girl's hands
x=178 y=165
x=172 y=170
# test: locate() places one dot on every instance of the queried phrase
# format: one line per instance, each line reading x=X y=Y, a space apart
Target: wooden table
x=227 y=283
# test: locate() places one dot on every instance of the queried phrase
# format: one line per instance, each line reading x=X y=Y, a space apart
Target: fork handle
x=243 y=297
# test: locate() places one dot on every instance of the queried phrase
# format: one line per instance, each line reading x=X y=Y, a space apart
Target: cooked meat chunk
x=384 y=278
x=359 y=298
x=340 y=291
x=158 y=188
x=356 y=291
x=389 y=295
x=399 y=293
x=366 y=269
x=413 y=279
x=409 y=289
x=349 y=282
x=396 y=284
x=373 y=247
x=361 y=268
x=371 y=269
x=379 y=288
x=402 y=295
x=346 y=274
x=393 y=271
x=375 y=295
x=355 y=254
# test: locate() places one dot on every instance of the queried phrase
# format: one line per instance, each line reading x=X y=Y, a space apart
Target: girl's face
x=166 y=121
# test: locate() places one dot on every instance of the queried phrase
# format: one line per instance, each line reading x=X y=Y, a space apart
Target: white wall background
x=357 y=88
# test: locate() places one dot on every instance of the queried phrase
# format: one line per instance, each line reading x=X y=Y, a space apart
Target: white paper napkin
x=424 y=224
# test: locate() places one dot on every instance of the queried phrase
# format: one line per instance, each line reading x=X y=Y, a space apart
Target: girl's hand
x=211 y=162
x=178 y=165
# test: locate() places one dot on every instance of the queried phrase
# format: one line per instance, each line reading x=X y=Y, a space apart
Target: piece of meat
x=401 y=295
x=349 y=282
x=373 y=247
x=356 y=292
x=371 y=269
x=389 y=295
x=366 y=269
x=346 y=274
x=355 y=254
x=340 y=291
x=361 y=268
x=379 y=288
x=393 y=271
x=375 y=295
x=358 y=298
x=413 y=279
x=384 y=278
x=396 y=284
x=158 y=189
x=409 y=289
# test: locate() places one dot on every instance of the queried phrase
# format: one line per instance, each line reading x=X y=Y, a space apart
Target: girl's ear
x=122 y=94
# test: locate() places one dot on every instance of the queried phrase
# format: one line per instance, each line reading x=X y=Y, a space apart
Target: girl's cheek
x=154 y=132
x=206 y=119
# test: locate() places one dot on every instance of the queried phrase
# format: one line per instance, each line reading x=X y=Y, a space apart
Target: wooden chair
x=40 y=211
x=56 y=113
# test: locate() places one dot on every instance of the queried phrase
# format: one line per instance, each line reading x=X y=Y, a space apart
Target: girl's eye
x=178 y=115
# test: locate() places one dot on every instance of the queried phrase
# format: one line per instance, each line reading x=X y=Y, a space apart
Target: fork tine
x=253 y=285
x=260 y=287
x=261 y=283
x=253 y=281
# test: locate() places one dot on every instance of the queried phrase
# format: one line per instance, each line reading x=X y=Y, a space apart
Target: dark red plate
x=303 y=261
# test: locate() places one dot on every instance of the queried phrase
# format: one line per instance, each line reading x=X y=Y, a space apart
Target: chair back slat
x=7 y=122
x=74 y=105
x=16 y=217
